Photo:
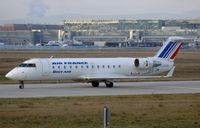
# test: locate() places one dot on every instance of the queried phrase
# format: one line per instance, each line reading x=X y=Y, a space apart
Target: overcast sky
x=27 y=9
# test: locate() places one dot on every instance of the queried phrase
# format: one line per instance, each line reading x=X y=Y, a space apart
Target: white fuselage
x=75 y=68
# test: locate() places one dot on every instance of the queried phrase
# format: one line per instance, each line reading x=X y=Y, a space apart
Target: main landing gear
x=21 y=86
x=107 y=83
x=95 y=83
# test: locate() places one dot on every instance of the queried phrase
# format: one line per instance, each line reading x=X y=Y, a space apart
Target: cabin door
x=45 y=67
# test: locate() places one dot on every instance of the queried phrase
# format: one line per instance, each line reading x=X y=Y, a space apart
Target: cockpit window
x=31 y=65
x=27 y=65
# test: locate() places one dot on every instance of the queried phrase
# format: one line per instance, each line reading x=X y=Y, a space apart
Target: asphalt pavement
x=85 y=89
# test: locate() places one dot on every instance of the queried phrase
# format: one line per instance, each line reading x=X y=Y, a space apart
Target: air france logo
x=66 y=63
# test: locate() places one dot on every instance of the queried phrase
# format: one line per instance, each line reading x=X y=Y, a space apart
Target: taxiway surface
x=84 y=89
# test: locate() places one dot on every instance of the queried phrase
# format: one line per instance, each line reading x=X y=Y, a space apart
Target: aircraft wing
x=117 y=77
x=90 y=77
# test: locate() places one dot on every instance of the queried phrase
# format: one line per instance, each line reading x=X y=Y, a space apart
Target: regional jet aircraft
x=96 y=70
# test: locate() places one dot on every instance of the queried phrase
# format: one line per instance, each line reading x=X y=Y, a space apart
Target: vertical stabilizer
x=170 y=48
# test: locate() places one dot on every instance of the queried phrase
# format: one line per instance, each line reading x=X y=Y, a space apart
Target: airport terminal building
x=28 y=34
x=130 y=33
x=108 y=33
x=103 y=33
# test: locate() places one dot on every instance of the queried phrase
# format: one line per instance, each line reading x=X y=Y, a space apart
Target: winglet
x=170 y=73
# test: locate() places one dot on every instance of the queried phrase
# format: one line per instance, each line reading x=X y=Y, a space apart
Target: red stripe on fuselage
x=175 y=53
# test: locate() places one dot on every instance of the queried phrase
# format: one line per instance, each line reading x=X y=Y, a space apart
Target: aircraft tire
x=95 y=84
x=109 y=84
x=21 y=86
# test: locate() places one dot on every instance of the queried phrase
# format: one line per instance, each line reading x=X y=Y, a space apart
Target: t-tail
x=170 y=48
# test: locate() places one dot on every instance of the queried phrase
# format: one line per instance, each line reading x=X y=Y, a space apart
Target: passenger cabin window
x=27 y=65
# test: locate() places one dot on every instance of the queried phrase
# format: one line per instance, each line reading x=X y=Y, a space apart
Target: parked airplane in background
x=59 y=43
x=52 y=43
x=96 y=70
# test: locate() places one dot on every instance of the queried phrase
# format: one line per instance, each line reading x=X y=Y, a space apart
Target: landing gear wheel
x=21 y=86
x=109 y=84
x=95 y=84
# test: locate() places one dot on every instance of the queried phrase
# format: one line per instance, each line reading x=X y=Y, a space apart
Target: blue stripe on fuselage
x=165 y=49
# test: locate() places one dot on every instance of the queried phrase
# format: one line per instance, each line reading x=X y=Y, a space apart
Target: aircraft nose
x=9 y=75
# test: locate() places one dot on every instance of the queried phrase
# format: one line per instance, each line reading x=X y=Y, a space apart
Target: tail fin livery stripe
x=175 y=53
x=172 y=52
x=165 y=49
x=169 y=50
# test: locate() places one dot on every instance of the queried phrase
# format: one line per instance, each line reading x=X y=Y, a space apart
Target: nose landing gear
x=21 y=86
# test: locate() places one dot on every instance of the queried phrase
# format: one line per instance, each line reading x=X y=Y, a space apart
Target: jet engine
x=146 y=63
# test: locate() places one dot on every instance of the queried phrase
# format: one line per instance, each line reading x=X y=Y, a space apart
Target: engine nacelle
x=146 y=63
